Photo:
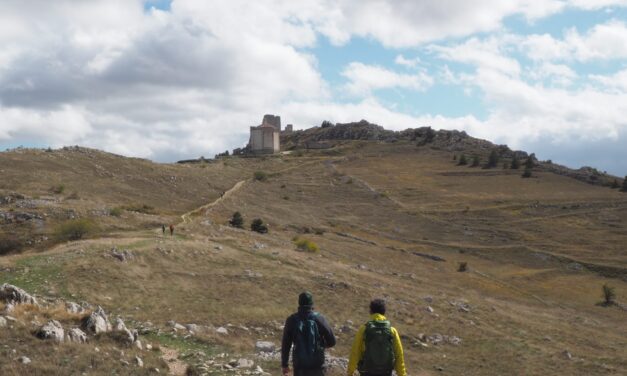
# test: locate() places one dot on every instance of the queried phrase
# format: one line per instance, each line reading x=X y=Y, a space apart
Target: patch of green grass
x=36 y=275
x=185 y=345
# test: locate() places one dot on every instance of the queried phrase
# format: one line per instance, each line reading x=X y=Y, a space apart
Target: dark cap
x=305 y=299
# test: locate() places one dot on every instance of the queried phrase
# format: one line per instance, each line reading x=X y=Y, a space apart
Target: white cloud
x=363 y=79
x=556 y=74
x=409 y=63
x=615 y=82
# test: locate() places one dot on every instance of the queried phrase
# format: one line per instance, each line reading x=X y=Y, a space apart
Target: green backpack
x=378 y=357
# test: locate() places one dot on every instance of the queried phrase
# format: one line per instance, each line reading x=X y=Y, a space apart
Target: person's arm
x=325 y=331
x=356 y=351
x=286 y=343
x=399 y=359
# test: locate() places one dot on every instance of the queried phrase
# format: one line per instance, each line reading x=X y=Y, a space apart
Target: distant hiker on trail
x=377 y=348
x=163 y=229
x=171 y=230
x=310 y=333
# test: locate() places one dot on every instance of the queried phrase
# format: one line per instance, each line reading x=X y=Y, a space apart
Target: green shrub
x=57 y=189
x=615 y=184
x=74 y=229
x=257 y=225
x=515 y=164
x=624 y=188
x=609 y=295
x=260 y=176
x=237 y=220
x=493 y=159
x=462 y=267
x=306 y=245
x=115 y=212
x=475 y=161
x=527 y=173
x=462 y=160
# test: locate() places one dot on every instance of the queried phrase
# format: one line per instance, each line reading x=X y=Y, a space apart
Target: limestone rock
x=264 y=346
x=119 y=325
x=52 y=330
x=24 y=360
x=3 y=322
x=139 y=361
x=15 y=295
x=72 y=307
x=244 y=363
x=76 y=335
x=222 y=330
x=97 y=322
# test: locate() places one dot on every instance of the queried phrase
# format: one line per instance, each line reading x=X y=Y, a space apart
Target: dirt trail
x=186 y=217
x=175 y=366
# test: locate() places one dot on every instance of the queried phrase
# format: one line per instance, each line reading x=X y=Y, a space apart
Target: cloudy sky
x=168 y=80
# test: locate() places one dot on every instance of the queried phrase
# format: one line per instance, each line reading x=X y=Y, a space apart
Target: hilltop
x=393 y=215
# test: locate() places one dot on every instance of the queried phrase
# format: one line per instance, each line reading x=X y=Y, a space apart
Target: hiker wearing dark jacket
x=377 y=348
x=310 y=333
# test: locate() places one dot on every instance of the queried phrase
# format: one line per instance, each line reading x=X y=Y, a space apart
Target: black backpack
x=378 y=356
x=308 y=349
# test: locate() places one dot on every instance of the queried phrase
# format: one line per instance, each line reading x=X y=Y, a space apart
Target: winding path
x=186 y=217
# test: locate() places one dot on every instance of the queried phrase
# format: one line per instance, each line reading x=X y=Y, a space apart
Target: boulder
x=24 y=360
x=15 y=295
x=222 y=330
x=72 y=307
x=244 y=363
x=3 y=322
x=119 y=325
x=97 y=322
x=76 y=335
x=52 y=330
x=264 y=346
x=139 y=361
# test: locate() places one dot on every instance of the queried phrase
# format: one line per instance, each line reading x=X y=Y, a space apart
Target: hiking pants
x=309 y=372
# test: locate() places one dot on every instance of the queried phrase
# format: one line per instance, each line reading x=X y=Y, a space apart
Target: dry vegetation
x=538 y=252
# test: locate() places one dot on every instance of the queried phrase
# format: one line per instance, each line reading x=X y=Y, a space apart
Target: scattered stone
x=259 y=246
x=97 y=322
x=193 y=328
x=72 y=307
x=264 y=346
x=567 y=355
x=139 y=361
x=244 y=363
x=52 y=330
x=119 y=325
x=251 y=274
x=24 y=360
x=15 y=295
x=178 y=326
x=3 y=322
x=428 y=299
x=123 y=255
x=148 y=346
x=138 y=345
x=222 y=330
x=429 y=309
x=77 y=336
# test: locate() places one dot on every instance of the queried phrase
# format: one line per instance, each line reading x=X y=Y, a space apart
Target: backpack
x=308 y=350
x=378 y=357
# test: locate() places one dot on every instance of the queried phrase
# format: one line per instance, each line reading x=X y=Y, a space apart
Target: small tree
x=615 y=184
x=260 y=176
x=515 y=163
x=624 y=188
x=493 y=159
x=454 y=157
x=463 y=266
x=529 y=162
x=475 y=161
x=527 y=173
x=74 y=229
x=609 y=295
x=257 y=225
x=462 y=160
x=237 y=220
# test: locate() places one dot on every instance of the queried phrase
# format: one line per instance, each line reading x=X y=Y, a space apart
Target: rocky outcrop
x=14 y=295
x=97 y=322
x=76 y=335
x=53 y=330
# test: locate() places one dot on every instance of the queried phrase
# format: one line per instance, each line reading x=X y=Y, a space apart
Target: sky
x=170 y=80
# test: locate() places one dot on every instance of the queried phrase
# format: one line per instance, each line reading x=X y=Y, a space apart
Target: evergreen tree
x=258 y=226
x=624 y=189
x=527 y=173
x=529 y=162
x=462 y=160
x=515 y=163
x=493 y=159
x=237 y=220
x=454 y=157
x=615 y=184
x=475 y=161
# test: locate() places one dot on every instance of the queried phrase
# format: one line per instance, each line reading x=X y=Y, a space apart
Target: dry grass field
x=538 y=252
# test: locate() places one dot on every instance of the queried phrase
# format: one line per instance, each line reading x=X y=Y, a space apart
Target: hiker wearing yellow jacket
x=377 y=348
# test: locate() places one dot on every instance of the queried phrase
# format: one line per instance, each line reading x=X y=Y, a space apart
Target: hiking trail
x=186 y=217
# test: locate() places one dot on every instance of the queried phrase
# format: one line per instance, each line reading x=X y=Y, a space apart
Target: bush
x=74 y=229
x=454 y=157
x=462 y=267
x=475 y=161
x=9 y=244
x=115 y=212
x=237 y=220
x=529 y=162
x=515 y=164
x=306 y=245
x=57 y=189
x=257 y=225
x=260 y=176
x=527 y=173
x=615 y=184
x=140 y=208
x=462 y=160
x=493 y=159
x=624 y=188
x=609 y=295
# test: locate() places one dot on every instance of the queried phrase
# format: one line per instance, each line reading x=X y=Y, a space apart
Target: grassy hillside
x=391 y=220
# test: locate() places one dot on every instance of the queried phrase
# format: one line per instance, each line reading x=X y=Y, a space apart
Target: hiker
x=377 y=348
x=163 y=229
x=171 y=230
x=310 y=333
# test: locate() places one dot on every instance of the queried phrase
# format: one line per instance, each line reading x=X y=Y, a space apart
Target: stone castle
x=266 y=138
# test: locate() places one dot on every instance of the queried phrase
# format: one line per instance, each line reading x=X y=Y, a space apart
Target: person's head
x=305 y=300
x=377 y=306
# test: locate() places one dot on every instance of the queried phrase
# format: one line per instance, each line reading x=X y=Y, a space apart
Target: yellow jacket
x=359 y=347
